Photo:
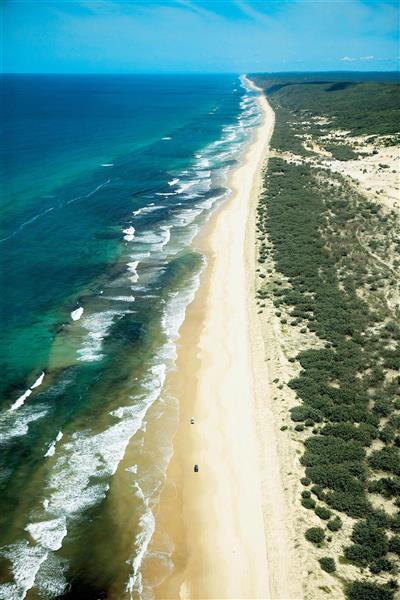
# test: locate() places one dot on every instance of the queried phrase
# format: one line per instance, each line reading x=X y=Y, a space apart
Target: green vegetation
x=363 y=107
x=322 y=236
x=341 y=151
x=305 y=481
x=394 y=544
x=363 y=590
x=308 y=503
x=327 y=564
x=386 y=459
x=370 y=543
x=323 y=513
x=315 y=535
x=335 y=524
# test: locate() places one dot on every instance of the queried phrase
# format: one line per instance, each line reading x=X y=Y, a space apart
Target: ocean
x=106 y=180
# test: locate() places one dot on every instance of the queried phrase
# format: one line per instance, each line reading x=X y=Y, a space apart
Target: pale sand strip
x=229 y=521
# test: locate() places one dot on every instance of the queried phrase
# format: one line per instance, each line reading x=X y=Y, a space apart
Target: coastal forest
x=328 y=234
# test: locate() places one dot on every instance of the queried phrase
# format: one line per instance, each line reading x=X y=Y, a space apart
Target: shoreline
x=224 y=521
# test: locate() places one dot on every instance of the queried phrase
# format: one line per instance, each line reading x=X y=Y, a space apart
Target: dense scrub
x=363 y=107
x=348 y=387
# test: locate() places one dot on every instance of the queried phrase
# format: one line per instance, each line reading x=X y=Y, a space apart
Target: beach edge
x=224 y=521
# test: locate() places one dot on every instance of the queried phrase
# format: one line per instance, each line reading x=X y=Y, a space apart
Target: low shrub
x=354 y=505
x=308 y=503
x=386 y=486
x=318 y=490
x=335 y=524
x=315 y=535
x=369 y=534
x=370 y=543
x=336 y=477
x=322 y=512
x=380 y=564
x=327 y=564
x=394 y=544
x=386 y=459
x=303 y=412
x=364 y=590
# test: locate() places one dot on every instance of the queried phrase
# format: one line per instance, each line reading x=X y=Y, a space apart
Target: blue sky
x=199 y=36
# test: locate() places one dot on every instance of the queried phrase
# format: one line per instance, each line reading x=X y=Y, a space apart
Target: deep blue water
x=105 y=180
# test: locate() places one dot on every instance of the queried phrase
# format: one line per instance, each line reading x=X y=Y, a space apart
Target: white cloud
x=195 y=8
x=348 y=59
x=253 y=13
x=367 y=57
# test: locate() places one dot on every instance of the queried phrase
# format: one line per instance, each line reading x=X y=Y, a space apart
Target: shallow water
x=108 y=180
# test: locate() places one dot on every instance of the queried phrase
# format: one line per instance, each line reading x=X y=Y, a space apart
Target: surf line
x=21 y=400
x=77 y=313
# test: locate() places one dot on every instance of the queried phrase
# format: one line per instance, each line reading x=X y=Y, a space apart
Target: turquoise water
x=107 y=179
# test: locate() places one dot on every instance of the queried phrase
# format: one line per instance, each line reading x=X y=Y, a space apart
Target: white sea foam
x=21 y=400
x=77 y=479
x=209 y=202
x=142 y=540
x=118 y=413
x=38 y=381
x=174 y=181
x=14 y=425
x=132 y=469
x=147 y=209
x=107 y=165
x=187 y=185
x=140 y=255
x=96 y=189
x=129 y=233
x=97 y=326
x=132 y=268
x=25 y=563
x=28 y=222
x=167 y=137
x=120 y=298
x=166 y=234
x=189 y=216
x=156 y=238
x=203 y=163
x=175 y=308
x=52 y=447
x=203 y=174
x=35 y=564
x=206 y=204
x=232 y=135
x=50 y=580
x=49 y=534
x=77 y=313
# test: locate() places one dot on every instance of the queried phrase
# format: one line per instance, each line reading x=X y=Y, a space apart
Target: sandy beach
x=228 y=521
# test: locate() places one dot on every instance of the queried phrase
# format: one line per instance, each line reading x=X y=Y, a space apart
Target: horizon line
x=166 y=73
